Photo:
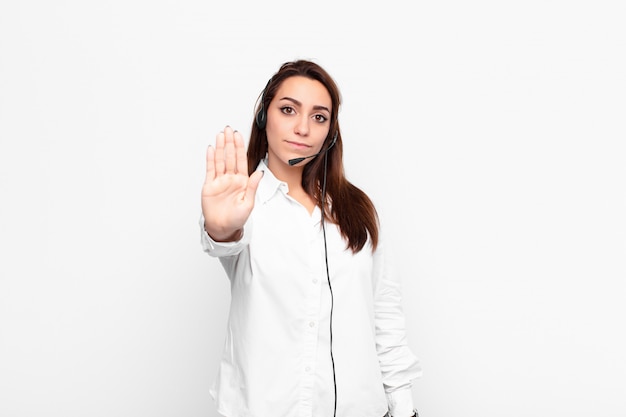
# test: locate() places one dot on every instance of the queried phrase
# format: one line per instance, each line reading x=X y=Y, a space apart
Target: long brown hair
x=349 y=207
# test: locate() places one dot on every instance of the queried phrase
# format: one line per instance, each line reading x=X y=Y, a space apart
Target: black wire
x=332 y=359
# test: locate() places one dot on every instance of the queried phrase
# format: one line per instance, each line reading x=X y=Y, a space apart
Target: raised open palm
x=228 y=192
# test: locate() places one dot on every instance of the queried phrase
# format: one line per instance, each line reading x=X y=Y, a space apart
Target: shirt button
x=308 y=369
x=311 y=324
x=314 y=280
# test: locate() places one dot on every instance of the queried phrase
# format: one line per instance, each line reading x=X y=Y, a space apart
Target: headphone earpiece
x=261 y=117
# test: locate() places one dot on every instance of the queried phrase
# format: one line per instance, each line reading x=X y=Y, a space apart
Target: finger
x=219 y=154
x=253 y=184
x=210 y=164
x=229 y=150
x=240 y=151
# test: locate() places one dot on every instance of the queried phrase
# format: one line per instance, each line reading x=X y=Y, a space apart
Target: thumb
x=253 y=184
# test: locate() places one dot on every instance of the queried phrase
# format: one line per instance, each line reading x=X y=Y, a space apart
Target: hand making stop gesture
x=228 y=192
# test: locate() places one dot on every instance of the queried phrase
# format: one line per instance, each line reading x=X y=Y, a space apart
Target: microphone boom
x=295 y=161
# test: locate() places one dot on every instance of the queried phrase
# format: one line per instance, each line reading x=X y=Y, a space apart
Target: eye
x=320 y=118
x=287 y=109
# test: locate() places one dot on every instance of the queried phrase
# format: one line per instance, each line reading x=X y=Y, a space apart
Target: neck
x=292 y=175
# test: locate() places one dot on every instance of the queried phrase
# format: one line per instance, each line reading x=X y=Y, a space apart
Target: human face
x=298 y=120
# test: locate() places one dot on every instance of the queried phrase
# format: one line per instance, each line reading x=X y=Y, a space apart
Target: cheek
x=273 y=134
x=273 y=128
x=322 y=135
x=274 y=137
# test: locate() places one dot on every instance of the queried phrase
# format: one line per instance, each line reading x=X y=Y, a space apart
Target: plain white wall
x=491 y=135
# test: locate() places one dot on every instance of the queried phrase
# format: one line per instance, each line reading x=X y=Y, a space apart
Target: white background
x=491 y=135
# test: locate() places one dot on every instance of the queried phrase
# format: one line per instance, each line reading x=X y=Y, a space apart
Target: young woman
x=316 y=327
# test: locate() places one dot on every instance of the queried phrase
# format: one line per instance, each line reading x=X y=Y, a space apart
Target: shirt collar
x=269 y=184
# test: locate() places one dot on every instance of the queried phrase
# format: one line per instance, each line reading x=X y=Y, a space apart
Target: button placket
x=310 y=323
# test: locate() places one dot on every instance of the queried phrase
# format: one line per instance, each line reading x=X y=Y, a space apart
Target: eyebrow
x=296 y=102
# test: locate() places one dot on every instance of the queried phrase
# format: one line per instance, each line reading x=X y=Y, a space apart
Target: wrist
x=400 y=403
x=224 y=236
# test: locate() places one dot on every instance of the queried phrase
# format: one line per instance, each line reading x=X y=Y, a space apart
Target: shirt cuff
x=400 y=403
x=219 y=249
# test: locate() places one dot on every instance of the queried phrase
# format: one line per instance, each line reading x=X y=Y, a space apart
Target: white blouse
x=277 y=354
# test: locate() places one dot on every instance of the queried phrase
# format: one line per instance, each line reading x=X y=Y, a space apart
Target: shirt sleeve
x=222 y=249
x=399 y=365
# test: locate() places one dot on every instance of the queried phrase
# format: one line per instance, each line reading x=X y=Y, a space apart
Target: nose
x=302 y=125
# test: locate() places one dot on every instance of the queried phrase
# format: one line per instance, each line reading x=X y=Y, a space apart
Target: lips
x=298 y=145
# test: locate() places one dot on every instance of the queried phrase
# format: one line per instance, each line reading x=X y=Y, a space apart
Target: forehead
x=307 y=91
